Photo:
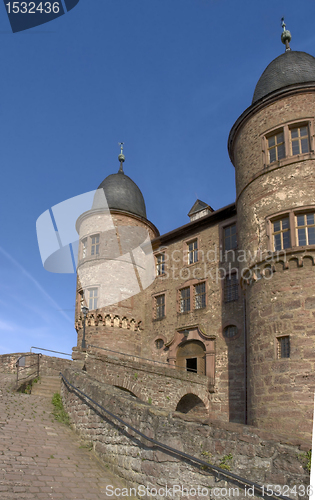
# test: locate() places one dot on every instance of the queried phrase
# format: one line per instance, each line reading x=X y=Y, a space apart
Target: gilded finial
x=121 y=157
x=285 y=36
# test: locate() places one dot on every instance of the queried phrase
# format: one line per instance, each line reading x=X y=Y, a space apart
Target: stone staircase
x=46 y=386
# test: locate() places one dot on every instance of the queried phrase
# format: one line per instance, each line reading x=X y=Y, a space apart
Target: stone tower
x=114 y=265
x=271 y=146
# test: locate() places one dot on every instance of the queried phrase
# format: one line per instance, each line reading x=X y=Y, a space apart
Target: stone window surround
x=154 y=297
x=186 y=251
x=88 y=247
x=231 y=322
x=161 y=251
x=191 y=285
x=159 y=337
x=291 y=213
x=82 y=297
x=222 y=227
x=276 y=346
x=285 y=127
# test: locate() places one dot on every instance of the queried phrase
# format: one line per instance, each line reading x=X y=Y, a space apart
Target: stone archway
x=192 y=404
x=191 y=356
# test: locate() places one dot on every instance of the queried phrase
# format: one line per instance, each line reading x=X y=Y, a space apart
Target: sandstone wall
x=260 y=456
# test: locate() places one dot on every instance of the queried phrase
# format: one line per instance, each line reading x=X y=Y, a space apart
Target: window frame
x=286 y=128
x=92 y=298
x=96 y=244
x=191 y=285
x=155 y=317
x=292 y=215
x=186 y=251
x=157 y=264
x=278 y=347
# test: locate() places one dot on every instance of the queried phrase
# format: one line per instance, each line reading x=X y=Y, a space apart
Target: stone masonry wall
x=162 y=385
x=49 y=365
x=260 y=456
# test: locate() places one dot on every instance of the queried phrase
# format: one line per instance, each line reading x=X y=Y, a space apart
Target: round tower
x=271 y=146
x=115 y=262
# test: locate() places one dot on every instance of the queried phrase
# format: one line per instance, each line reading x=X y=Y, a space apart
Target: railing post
x=38 y=365
x=17 y=372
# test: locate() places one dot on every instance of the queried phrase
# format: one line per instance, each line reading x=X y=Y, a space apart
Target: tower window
x=281 y=234
x=276 y=147
x=84 y=248
x=283 y=347
x=291 y=140
x=299 y=140
x=92 y=298
x=305 y=229
x=95 y=244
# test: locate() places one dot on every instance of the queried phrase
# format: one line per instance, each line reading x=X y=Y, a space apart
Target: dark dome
x=121 y=194
x=289 y=68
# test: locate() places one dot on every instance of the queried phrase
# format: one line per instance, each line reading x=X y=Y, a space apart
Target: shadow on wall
x=190 y=403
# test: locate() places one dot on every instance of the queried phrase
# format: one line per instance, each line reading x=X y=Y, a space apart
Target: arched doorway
x=191 y=356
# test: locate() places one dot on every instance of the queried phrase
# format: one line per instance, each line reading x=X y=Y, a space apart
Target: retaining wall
x=259 y=456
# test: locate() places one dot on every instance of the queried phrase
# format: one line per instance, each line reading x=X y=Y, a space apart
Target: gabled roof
x=198 y=206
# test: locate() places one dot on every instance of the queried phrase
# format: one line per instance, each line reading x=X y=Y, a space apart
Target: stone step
x=46 y=386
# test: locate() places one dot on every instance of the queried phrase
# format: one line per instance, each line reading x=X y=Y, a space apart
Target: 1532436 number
x=32 y=8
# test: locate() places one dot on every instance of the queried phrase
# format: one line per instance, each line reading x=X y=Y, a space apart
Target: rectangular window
x=160 y=306
x=281 y=234
x=276 y=148
x=230 y=237
x=305 y=226
x=192 y=251
x=160 y=264
x=200 y=296
x=283 y=347
x=92 y=298
x=95 y=246
x=84 y=248
x=184 y=299
x=231 y=288
x=300 y=140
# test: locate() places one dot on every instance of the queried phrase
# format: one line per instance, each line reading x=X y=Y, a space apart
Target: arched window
x=230 y=331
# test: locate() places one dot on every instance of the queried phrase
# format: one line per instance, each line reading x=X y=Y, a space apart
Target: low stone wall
x=49 y=365
x=161 y=385
x=259 y=456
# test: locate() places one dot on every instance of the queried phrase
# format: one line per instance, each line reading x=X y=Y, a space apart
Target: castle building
x=233 y=297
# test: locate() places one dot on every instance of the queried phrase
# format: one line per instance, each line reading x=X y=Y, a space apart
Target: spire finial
x=121 y=157
x=285 y=36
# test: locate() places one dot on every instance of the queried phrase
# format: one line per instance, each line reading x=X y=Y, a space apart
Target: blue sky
x=168 y=78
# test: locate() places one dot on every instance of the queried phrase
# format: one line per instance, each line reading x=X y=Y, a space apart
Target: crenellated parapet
x=109 y=320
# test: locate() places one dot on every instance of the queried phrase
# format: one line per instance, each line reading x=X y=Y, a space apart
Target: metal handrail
x=242 y=481
x=21 y=368
x=42 y=349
